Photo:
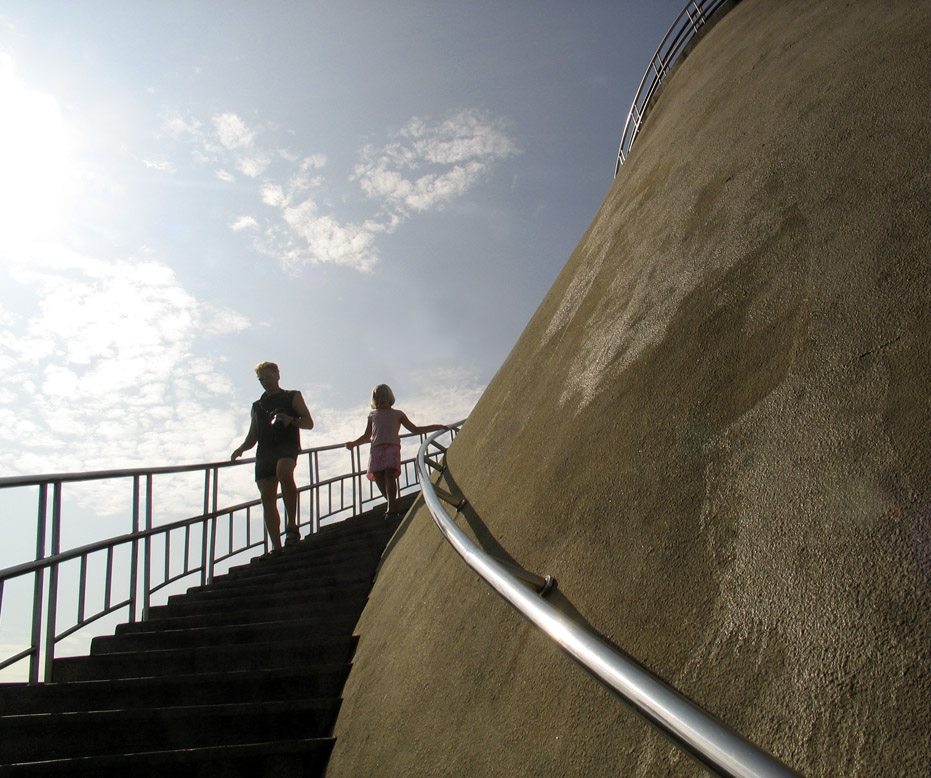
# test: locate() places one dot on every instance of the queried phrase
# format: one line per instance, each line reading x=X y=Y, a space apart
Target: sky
x=362 y=192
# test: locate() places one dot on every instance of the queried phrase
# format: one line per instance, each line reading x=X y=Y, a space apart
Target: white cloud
x=328 y=240
x=430 y=164
x=273 y=195
x=253 y=165
x=424 y=167
x=232 y=131
x=163 y=166
x=244 y=223
x=112 y=346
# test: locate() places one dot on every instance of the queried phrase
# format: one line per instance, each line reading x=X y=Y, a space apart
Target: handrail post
x=356 y=484
x=52 y=607
x=38 y=592
x=147 y=551
x=205 y=555
x=134 y=557
x=208 y=570
x=313 y=466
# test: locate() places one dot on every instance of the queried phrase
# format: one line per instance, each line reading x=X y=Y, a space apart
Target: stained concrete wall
x=715 y=432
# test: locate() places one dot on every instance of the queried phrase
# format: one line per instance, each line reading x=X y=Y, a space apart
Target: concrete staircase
x=239 y=678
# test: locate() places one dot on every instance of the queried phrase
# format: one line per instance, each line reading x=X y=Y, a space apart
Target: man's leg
x=268 y=488
x=285 y=473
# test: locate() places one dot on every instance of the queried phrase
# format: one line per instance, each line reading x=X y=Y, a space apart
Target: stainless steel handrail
x=708 y=740
x=683 y=30
x=344 y=494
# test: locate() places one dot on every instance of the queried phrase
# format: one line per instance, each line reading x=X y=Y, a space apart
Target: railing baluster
x=315 y=492
x=134 y=556
x=108 y=586
x=82 y=587
x=205 y=557
x=38 y=593
x=52 y=608
x=213 y=527
x=147 y=550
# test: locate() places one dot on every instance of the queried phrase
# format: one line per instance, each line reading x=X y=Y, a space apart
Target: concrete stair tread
x=323 y=680
x=171 y=661
x=263 y=598
x=140 y=717
x=233 y=634
x=274 y=585
x=161 y=619
x=295 y=757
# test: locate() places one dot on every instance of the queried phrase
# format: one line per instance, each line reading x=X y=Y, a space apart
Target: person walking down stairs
x=383 y=430
x=277 y=418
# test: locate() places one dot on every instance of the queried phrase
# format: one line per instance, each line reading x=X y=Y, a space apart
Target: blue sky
x=364 y=192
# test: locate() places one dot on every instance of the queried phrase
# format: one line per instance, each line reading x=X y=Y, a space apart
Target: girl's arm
x=420 y=430
x=363 y=438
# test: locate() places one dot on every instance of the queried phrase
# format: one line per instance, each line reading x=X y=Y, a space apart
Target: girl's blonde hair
x=382 y=395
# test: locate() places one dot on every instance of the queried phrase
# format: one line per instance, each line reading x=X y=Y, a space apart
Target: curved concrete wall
x=715 y=433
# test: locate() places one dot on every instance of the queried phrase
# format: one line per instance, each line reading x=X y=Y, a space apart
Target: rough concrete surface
x=714 y=432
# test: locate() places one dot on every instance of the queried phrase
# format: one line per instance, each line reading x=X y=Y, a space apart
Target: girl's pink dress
x=385 y=448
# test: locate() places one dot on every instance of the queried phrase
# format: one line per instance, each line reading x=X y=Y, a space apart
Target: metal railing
x=152 y=556
x=684 y=29
x=713 y=744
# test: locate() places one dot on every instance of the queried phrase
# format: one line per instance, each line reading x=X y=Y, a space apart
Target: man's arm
x=301 y=417
x=249 y=442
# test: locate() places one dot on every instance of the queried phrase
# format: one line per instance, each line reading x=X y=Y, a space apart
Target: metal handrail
x=682 y=32
x=708 y=740
x=330 y=499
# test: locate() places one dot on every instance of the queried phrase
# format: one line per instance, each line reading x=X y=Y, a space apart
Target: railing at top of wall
x=684 y=29
x=146 y=560
x=708 y=740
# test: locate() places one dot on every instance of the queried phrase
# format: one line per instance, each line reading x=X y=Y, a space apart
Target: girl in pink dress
x=384 y=431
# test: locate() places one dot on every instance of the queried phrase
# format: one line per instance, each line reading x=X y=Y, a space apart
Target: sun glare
x=33 y=157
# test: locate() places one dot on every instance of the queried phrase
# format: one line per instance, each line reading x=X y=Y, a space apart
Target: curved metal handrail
x=682 y=32
x=704 y=737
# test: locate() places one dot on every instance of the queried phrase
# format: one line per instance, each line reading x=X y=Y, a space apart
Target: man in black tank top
x=278 y=416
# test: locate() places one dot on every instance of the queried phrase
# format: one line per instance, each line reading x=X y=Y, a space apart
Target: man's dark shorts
x=266 y=459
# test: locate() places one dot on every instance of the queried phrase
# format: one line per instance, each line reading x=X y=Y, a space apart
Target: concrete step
x=238 y=634
x=301 y=758
x=279 y=584
x=324 y=613
x=299 y=601
x=341 y=554
x=28 y=738
x=285 y=683
x=259 y=656
x=353 y=565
